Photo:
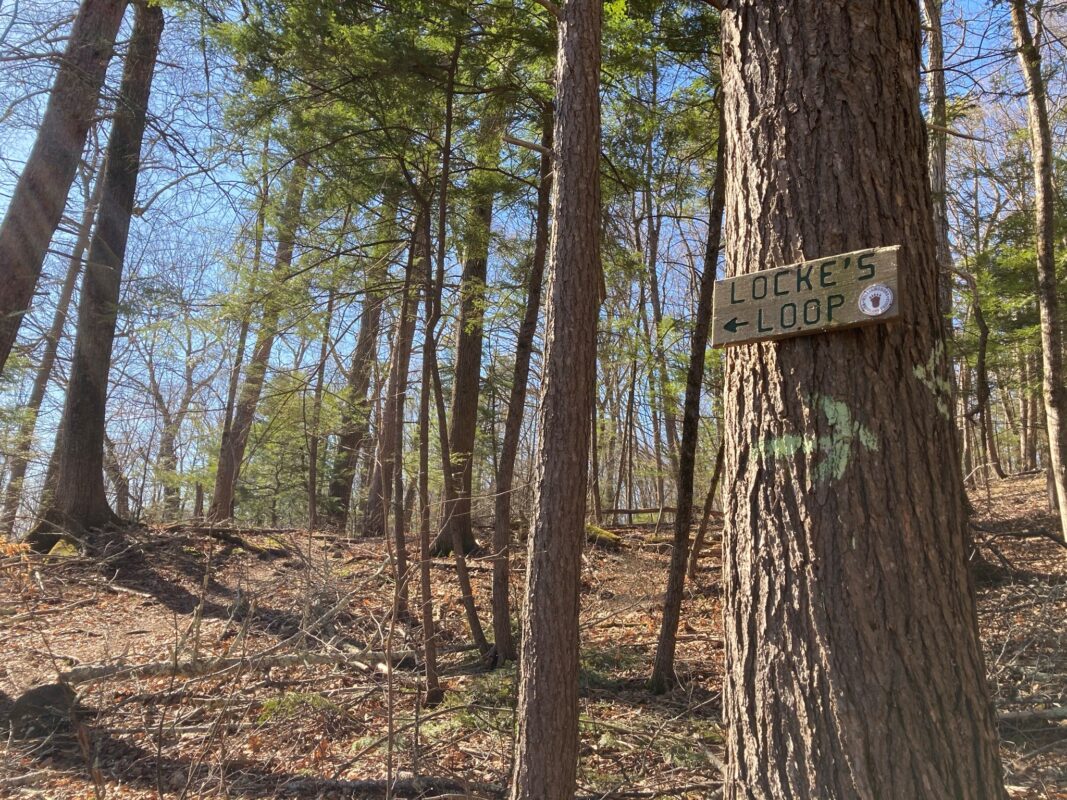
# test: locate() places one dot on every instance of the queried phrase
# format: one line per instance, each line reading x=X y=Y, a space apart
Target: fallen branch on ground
x=1036 y=715
x=193 y=669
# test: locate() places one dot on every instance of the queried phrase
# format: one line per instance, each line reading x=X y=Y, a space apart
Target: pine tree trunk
x=235 y=440
x=1053 y=381
x=853 y=666
x=509 y=447
x=79 y=502
x=546 y=753
x=663 y=668
x=24 y=443
x=40 y=195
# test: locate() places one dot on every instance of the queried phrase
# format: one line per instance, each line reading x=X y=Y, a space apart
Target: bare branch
x=540 y=148
x=960 y=134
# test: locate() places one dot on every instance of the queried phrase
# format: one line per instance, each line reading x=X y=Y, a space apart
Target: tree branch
x=552 y=8
x=951 y=132
x=540 y=148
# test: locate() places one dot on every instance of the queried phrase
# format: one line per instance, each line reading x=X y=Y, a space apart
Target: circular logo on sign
x=876 y=299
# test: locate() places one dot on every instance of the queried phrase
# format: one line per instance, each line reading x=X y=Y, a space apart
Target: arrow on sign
x=734 y=324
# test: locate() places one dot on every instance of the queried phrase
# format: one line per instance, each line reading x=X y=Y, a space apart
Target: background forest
x=328 y=316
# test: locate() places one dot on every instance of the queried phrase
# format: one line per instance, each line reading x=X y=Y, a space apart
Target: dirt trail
x=317 y=729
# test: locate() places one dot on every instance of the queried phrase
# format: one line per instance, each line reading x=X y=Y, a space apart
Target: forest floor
x=328 y=716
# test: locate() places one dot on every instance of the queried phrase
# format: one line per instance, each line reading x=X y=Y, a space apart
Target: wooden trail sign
x=825 y=294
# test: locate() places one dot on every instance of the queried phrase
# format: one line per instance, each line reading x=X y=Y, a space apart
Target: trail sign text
x=811 y=297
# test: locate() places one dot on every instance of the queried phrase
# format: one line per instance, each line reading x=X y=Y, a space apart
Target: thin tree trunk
x=594 y=467
x=120 y=484
x=356 y=411
x=235 y=440
x=705 y=516
x=509 y=448
x=434 y=692
x=316 y=416
x=546 y=753
x=392 y=414
x=985 y=410
x=40 y=195
x=468 y=370
x=1053 y=381
x=24 y=442
x=79 y=502
x=1030 y=412
x=938 y=139
x=663 y=669
x=1008 y=404
x=853 y=664
x=246 y=317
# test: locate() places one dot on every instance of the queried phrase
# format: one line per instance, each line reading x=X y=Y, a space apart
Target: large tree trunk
x=24 y=443
x=854 y=668
x=1054 y=385
x=509 y=447
x=546 y=754
x=79 y=502
x=663 y=669
x=41 y=192
x=235 y=439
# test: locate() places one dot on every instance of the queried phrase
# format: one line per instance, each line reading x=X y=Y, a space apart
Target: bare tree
x=79 y=502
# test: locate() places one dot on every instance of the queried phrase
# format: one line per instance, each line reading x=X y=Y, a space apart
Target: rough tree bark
x=235 y=439
x=79 y=502
x=24 y=443
x=503 y=640
x=663 y=668
x=41 y=192
x=546 y=753
x=854 y=668
x=1053 y=383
